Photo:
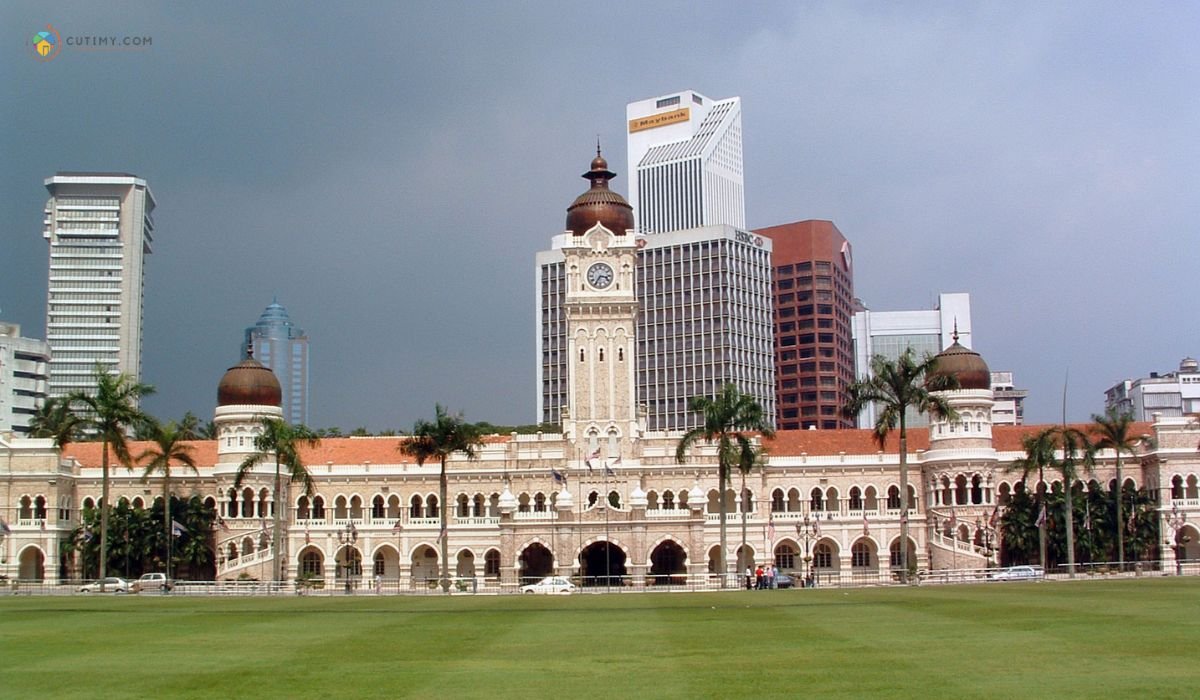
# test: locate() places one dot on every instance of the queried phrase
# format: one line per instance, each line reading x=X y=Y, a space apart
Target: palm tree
x=55 y=419
x=728 y=418
x=169 y=446
x=747 y=459
x=897 y=385
x=189 y=427
x=438 y=439
x=1075 y=447
x=1039 y=455
x=281 y=441
x=1112 y=431
x=109 y=413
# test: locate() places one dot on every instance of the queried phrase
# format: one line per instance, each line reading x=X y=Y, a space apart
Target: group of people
x=763 y=578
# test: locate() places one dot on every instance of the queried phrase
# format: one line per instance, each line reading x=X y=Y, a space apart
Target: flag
x=608 y=471
x=903 y=517
x=221 y=522
x=43 y=523
x=617 y=460
x=995 y=519
x=308 y=537
x=588 y=464
x=1041 y=519
x=866 y=526
x=396 y=527
x=87 y=535
x=596 y=454
x=817 y=526
x=771 y=528
x=442 y=534
x=4 y=528
x=558 y=476
x=177 y=528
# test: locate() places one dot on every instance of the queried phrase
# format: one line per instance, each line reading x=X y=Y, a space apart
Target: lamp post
x=804 y=530
x=987 y=540
x=1177 y=522
x=347 y=538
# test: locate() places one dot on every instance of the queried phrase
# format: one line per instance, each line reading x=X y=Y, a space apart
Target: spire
x=954 y=335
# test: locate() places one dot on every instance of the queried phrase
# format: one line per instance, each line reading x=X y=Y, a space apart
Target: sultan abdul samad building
x=603 y=497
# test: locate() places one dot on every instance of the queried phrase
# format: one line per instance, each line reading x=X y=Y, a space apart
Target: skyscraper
x=704 y=320
x=889 y=333
x=685 y=162
x=278 y=344
x=813 y=302
x=100 y=230
x=24 y=374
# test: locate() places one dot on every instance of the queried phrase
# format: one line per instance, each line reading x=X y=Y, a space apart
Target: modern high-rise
x=1167 y=394
x=685 y=162
x=24 y=375
x=889 y=333
x=704 y=320
x=1009 y=406
x=813 y=302
x=278 y=344
x=100 y=231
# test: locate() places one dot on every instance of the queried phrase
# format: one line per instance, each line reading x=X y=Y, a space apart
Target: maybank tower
x=685 y=162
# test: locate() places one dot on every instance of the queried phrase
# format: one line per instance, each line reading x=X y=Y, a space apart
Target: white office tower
x=100 y=230
x=704 y=320
x=24 y=370
x=685 y=162
x=889 y=333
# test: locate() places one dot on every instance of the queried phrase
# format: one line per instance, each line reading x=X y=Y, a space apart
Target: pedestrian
x=378 y=584
x=749 y=577
x=758 y=577
x=771 y=576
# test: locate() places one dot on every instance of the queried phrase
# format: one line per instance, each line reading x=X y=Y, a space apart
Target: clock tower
x=600 y=303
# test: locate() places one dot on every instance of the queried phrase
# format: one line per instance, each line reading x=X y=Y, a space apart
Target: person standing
x=749 y=577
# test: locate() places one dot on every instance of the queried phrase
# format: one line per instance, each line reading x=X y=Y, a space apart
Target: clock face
x=600 y=275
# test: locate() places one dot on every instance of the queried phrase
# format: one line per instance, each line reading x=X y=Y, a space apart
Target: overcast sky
x=389 y=170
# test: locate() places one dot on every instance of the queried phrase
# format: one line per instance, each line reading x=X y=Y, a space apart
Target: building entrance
x=602 y=564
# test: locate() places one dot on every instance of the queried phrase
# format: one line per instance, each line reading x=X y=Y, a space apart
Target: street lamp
x=1177 y=522
x=987 y=540
x=804 y=530
x=347 y=538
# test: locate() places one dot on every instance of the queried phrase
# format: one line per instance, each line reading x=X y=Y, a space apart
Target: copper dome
x=965 y=365
x=249 y=383
x=599 y=205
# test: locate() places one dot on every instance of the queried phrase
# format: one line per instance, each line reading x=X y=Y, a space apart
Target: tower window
x=581 y=356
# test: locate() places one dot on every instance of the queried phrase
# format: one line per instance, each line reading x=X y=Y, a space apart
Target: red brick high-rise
x=813 y=304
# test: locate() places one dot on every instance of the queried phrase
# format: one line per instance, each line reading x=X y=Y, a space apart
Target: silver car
x=111 y=584
x=1018 y=573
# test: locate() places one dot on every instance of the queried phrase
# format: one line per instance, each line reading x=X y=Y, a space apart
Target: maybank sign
x=656 y=120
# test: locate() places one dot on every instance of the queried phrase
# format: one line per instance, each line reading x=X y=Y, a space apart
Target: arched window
x=378 y=508
x=614 y=499
x=581 y=355
x=414 y=509
x=668 y=500
x=785 y=556
x=523 y=503
x=318 y=508
x=822 y=556
x=479 y=507
x=860 y=555
x=539 y=503
x=856 y=499
x=777 y=501
x=600 y=355
x=464 y=506
x=310 y=564
x=1177 y=487
x=893 y=499
x=39 y=507
x=620 y=354
x=302 y=512
x=491 y=563
x=816 y=500
x=26 y=511
x=976 y=489
x=431 y=507
x=380 y=564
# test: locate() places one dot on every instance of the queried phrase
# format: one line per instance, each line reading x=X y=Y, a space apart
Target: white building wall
x=24 y=378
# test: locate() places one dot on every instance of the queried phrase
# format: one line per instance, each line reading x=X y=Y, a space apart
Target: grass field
x=1085 y=639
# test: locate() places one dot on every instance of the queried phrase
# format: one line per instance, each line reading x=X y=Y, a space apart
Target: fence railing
x=490 y=585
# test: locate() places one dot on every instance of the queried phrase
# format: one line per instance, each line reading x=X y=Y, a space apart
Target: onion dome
x=964 y=364
x=249 y=383
x=599 y=205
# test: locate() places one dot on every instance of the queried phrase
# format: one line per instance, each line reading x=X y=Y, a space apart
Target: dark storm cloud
x=389 y=170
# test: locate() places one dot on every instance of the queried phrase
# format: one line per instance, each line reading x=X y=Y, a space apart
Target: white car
x=112 y=584
x=1018 y=573
x=550 y=584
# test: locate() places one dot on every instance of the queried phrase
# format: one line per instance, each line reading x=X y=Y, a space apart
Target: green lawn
x=1087 y=639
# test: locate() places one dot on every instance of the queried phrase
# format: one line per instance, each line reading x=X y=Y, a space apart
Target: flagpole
x=607 y=541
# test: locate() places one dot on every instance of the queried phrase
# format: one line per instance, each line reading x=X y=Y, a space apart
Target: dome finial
x=597 y=145
x=954 y=335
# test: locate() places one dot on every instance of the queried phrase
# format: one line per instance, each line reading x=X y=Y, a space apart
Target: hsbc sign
x=748 y=238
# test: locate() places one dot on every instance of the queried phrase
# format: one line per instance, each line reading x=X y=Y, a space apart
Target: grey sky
x=389 y=170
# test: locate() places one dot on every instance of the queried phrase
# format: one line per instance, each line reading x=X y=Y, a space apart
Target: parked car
x=153 y=582
x=111 y=584
x=784 y=581
x=550 y=584
x=1018 y=573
